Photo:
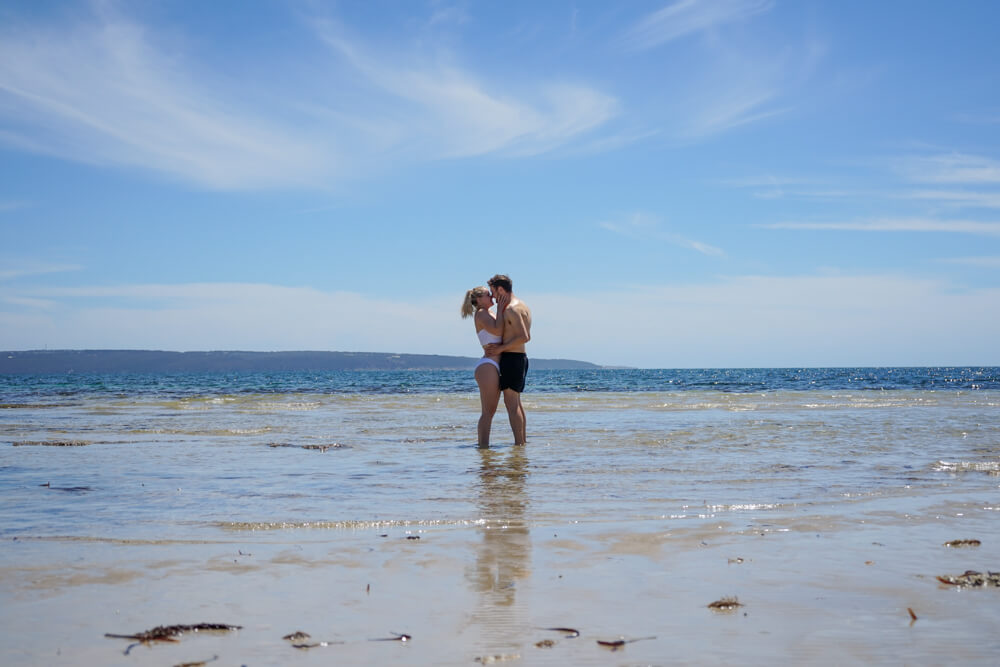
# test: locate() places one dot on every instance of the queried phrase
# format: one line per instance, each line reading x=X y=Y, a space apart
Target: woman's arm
x=494 y=325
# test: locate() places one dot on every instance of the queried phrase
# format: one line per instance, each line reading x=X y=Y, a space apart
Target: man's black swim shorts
x=513 y=370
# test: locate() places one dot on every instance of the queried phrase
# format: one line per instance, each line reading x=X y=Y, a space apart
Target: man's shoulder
x=519 y=307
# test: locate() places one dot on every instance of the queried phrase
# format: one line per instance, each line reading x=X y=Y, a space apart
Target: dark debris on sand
x=954 y=544
x=304 y=647
x=316 y=448
x=51 y=443
x=170 y=633
x=618 y=644
x=972 y=579
x=725 y=604
x=199 y=663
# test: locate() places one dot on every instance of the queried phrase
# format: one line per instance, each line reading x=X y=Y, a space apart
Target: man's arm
x=516 y=328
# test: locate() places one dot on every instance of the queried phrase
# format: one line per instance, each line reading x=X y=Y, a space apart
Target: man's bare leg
x=515 y=412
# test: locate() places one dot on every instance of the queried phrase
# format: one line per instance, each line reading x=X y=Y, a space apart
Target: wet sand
x=813 y=590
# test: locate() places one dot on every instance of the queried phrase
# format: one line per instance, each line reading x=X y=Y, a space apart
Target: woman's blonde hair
x=469 y=305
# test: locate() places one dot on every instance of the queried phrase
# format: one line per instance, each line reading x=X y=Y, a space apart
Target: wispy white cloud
x=458 y=114
x=954 y=168
x=27 y=302
x=974 y=174
x=731 y=85
x=100 y=92
x=956 y=198
x=108 y=91
x=729 y=108
x=14 y=268
x=448 y=14
x=686 y=17
x=772 y=186
x=608 y=142
x=645 y=227
x=896 y=225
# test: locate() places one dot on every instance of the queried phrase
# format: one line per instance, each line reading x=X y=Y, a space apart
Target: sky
x=669 y=184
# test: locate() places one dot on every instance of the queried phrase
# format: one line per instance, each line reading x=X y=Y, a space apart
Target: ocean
x=120 y=492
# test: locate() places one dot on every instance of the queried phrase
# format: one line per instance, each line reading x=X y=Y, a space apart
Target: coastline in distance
x=158 y=361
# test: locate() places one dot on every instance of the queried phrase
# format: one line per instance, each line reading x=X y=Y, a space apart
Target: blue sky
x=680 y=183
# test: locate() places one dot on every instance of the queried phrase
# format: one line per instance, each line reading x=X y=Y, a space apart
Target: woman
x=489 y=329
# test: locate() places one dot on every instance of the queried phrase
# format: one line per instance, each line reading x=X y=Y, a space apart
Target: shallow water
x=170 y=467
x=173 y=488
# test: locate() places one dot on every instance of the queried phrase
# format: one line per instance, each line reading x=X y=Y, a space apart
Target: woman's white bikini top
x=485 y=337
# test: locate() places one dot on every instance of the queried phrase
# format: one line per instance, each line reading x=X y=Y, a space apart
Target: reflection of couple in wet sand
x=504 y=365
x=504 y=557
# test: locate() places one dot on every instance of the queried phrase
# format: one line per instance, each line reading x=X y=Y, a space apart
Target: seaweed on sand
x=725 y=604
x=170 y=633
x=972 y=579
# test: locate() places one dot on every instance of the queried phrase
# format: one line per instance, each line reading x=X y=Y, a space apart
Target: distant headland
x=155 y=361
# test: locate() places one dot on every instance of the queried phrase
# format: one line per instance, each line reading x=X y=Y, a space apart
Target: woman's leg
x=488 y=380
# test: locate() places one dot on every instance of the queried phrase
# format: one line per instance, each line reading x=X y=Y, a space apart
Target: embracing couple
x=504 y=365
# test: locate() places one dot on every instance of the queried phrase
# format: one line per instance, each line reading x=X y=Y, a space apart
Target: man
x=513 y=359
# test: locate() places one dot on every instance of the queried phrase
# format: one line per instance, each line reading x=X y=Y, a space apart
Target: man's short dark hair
x=500 y=280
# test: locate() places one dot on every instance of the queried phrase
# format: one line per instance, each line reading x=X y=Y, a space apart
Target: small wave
x=110 y=540
x=992 y=467
x=202 y=432
x=269 y=406
x=34 y=406
x=244 y=431
x=744 y=507
x=51 y=443
x=321 y=448
x=339 y=525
